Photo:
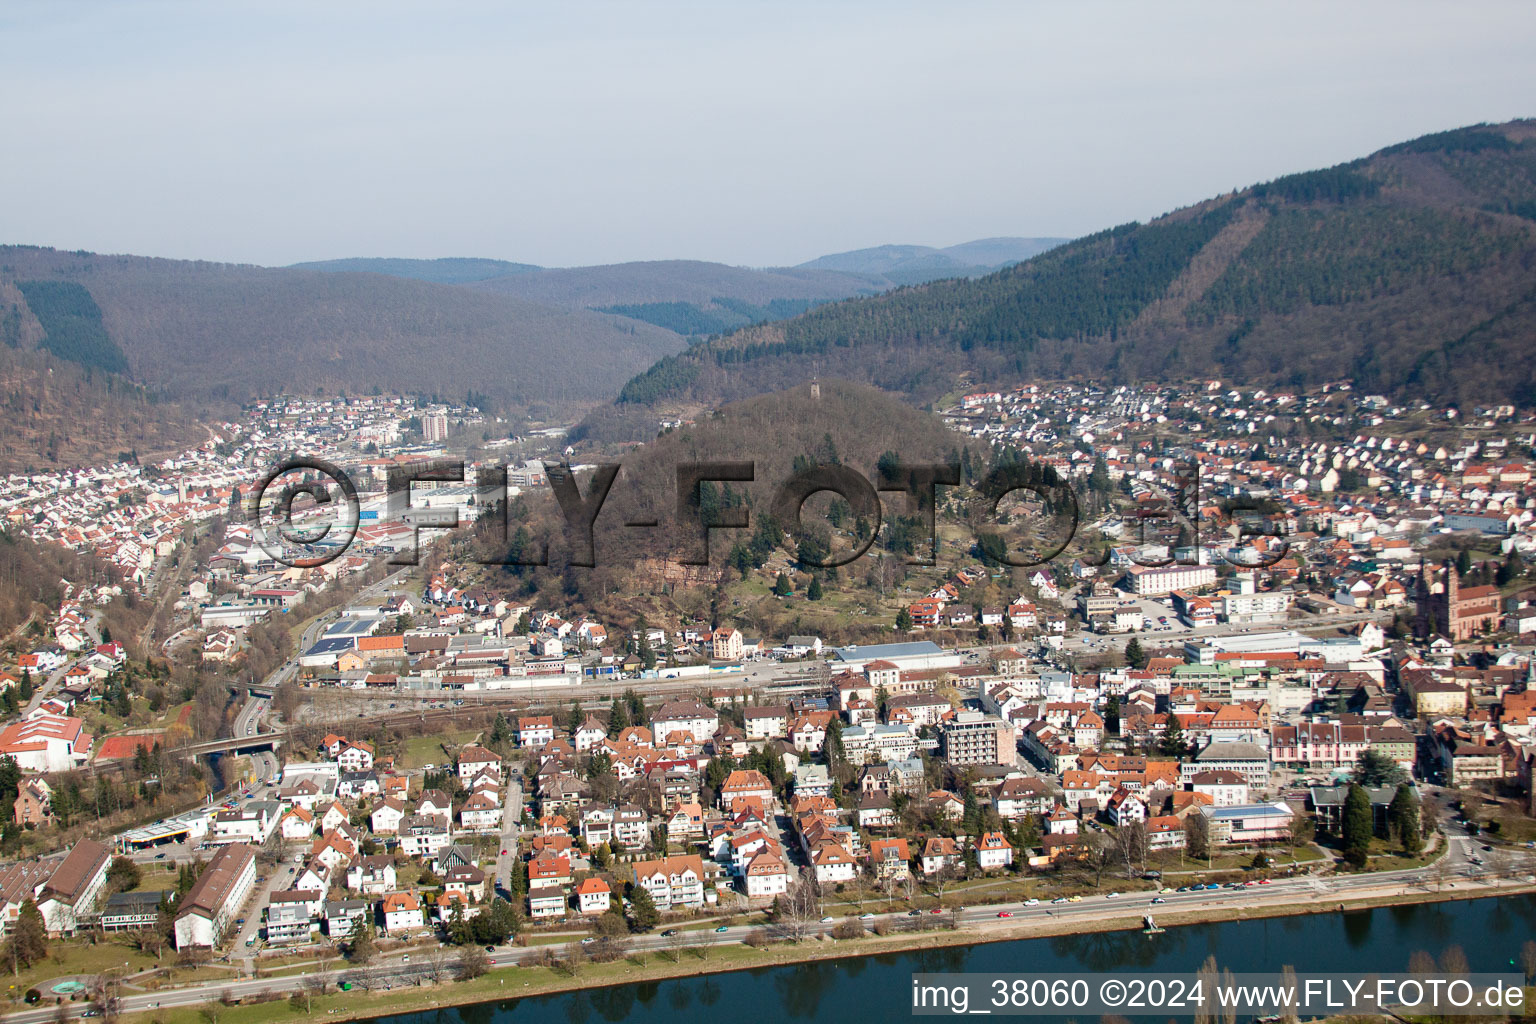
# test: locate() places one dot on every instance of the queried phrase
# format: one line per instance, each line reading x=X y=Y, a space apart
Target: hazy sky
x=751 y=133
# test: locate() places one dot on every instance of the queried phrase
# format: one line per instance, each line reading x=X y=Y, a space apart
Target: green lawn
x=421 y=750
x=66 y=958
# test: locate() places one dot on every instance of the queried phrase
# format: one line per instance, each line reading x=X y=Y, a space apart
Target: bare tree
x=472 y=963
x=939 y=880
x=675 y=945
x=1131 y=845
x=1101 y=853
x=438 y=967
x=106 y=997
x=1197 y=836
x=797 y=909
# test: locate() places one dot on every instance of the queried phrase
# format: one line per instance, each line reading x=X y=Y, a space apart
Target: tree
x=618 y=717
x=1375 y=768
x=781 y=585
x=1403 y=815
x=123 y=875
x=903 y=620
x=1101 y=854
x=472 y=963
x=1172 y=743
x=814 y=591
x=643 y=915
x=27 y=940
x=362 y=948
x=1134 y=655
x=797 y=908
x=1358 y=825
x=1197 y=836
x=1131 y=845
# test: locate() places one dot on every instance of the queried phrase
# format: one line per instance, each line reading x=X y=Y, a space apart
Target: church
x=1446 y=607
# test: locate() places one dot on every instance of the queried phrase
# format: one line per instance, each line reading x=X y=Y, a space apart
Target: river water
x=871 y=989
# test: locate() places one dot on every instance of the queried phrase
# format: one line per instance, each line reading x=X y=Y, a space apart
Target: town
x=372 y=766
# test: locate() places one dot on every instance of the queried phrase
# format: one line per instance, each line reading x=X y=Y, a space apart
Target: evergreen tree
x=1464 y=563
x=1375 y=768
x=1358 y=825
x=813 y=592
x=643 y=915
x=1134 y=655
x=24 y=688
x=903 y=620
x=618 y=717
x=1173 y=743
x=781 y=586
x=636 y=705
x=1403 y=814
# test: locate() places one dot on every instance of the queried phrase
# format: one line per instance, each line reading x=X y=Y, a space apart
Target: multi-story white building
x=216 y=898
x=673 y=882
x=974 y=738
x=1165 y=580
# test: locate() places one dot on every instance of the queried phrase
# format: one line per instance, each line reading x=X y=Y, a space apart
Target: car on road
x=503 y=853
x=936 y=911
x=1031 y=902
x=1074 y=899
x=1004 y=913
x=490 y=949
x=1110 y=895
x=1165 y=890
x=723 y=928
x=589 y=940
x=1210 y=885
x=866 y=917
x=669 y=933
x=1488 y=848
x=828 y=920
x=1158 y=899
x=914 y=913
x=1059 y=899
x=406 y=958
x=159 y=856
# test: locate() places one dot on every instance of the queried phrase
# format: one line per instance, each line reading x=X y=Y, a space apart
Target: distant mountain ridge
x=1408 y=272
x=699 y=298
x=450 y=270
x=916 y=264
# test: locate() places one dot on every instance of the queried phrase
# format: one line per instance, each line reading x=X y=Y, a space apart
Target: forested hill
x=1412 y=271
x=206 y=333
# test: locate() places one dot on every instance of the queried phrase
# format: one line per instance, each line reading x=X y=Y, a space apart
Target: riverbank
x=519 y=982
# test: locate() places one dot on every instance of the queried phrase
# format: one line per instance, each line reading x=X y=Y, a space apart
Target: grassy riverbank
x=519 y=982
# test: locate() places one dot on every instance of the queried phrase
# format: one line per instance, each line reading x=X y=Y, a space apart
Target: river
x=871 y=989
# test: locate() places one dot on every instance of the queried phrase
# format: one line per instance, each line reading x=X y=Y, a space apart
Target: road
x=265 y=764
x=511 y=815
x=1470 y=879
